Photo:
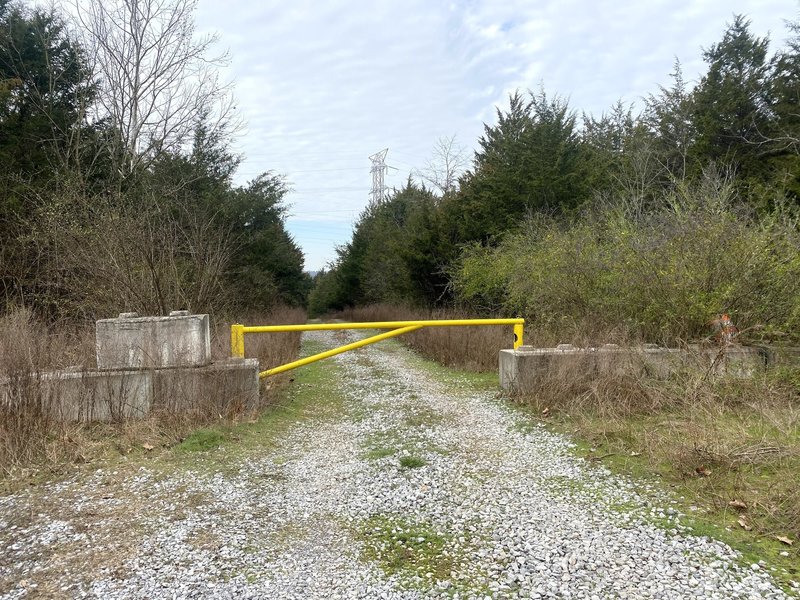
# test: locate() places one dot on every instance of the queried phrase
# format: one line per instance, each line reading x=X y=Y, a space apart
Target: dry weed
x=473 y=348
x=33 y=437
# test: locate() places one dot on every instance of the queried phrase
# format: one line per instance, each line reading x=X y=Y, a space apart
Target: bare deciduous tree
x=448 y=162
x=152 y=258
x=156 y=76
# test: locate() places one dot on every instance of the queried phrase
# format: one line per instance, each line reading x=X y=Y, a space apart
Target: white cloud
x=324 y=85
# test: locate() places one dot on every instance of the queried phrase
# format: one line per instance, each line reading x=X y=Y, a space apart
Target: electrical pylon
x=378 y=170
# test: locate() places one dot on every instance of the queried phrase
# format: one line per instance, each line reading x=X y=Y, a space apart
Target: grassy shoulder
x=297 y=403
x=734 y=475
x=729 y=462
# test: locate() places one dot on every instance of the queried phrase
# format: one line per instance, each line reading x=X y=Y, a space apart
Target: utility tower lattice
x=378 y=170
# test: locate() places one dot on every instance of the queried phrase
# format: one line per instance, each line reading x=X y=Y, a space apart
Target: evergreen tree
x=783 y=141
x=669 y=119
x=531 y=160
x=45 y=87
x=731 y=103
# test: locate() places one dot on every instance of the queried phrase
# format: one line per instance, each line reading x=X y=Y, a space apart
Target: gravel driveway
x=414 y=489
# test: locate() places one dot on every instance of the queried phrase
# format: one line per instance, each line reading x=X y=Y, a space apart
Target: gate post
x=518 y=332
x=237 y=340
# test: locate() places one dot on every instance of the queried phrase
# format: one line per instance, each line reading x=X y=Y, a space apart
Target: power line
x=324 y=212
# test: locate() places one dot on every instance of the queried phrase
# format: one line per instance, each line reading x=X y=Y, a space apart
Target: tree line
x=116 y=186
x=552 y=198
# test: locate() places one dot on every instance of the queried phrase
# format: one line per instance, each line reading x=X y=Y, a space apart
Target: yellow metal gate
x=396 y=328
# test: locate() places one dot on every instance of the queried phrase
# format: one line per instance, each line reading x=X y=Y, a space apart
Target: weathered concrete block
x=521 y=369
x=661 y=363
x=782 y=356
x=223 y=387
x=736 y=361
x=181 y=340
x=74 y=395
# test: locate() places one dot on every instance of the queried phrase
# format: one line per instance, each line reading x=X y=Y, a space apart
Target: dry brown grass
x=271 y=349
x=717 y=441
x=473 y=348
x=28 y=429
x=32 y=438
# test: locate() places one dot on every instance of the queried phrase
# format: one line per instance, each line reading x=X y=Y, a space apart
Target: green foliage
x=668 y=118
x=407 y=549
x=783 y=143
x=44 y=86
x=379 y=453
x=732 y=105
x=396 y=255
x=201 y=440
x=411 y=462
x=268 y=265
x=532 y=160
x=662 y=276
x=177 y=235
x=324 y=294
x=401 y=249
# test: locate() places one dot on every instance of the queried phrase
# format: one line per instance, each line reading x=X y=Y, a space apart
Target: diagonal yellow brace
x=360 y=343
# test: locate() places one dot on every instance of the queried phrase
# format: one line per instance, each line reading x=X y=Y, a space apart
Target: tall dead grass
x=731 y=445
x=32 y=434
x=473 y=348
x=29 y=428
x=271 y=349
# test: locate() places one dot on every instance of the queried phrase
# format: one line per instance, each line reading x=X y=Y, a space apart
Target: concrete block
x=521 y=369
x=662 y=363
x=82 y=396
x=224 y=387
x=782 y=356
x=181 y=340
x=737 y=361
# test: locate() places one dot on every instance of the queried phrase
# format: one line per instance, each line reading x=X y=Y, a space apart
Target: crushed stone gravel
x=486 y=504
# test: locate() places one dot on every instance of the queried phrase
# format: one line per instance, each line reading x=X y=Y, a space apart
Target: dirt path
x=407 y=487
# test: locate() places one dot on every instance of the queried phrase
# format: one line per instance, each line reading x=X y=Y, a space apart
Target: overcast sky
x=324 y=84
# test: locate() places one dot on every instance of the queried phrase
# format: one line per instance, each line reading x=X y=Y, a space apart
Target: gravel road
x=414 y=489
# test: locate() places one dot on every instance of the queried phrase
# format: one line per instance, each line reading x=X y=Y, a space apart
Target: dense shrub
x=660 y=276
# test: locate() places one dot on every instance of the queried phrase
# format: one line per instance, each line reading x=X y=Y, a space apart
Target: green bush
x=661 y=276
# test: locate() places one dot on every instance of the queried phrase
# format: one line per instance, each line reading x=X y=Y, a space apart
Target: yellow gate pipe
x=378 y=325
x=398 y=328
x=519 y=332
x=328 y=353
x=237 y=340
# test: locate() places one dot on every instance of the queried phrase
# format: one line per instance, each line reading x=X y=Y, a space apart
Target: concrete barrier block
x=737 y=361
x=82 y=396
x=783 y=356
x=521 y=369
x=227 y=386
x=130 y=342
x=662 y=363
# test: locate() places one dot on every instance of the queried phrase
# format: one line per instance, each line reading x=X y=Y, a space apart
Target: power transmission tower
x=378 y=170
